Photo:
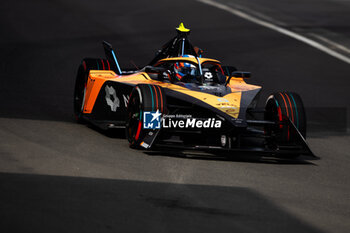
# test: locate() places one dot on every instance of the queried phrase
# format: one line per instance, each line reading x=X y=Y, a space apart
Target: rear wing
x=110 y=56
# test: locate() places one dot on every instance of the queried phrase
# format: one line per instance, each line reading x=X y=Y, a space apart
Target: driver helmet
x=184 y=68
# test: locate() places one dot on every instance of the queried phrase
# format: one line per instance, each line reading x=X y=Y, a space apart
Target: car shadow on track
x=46 y=203
x=118 y=133
x=238 y=157
x=241 y=157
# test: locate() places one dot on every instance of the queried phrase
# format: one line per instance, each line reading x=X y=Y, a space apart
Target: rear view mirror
x=240 y=74
x=228 y=70
x=155 y=73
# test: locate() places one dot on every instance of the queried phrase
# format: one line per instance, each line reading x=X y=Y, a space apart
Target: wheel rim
x=134 y=118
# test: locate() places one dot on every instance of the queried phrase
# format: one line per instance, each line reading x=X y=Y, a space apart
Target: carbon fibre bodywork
x=231 y=102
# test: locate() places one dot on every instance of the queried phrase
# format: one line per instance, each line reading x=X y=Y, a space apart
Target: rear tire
x=283 y=105
x=144 y=97
x=81 y=83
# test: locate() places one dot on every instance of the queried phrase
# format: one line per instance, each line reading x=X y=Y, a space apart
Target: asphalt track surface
x=58 y=176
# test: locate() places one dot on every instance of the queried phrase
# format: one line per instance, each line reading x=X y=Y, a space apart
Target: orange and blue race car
x=183 y=101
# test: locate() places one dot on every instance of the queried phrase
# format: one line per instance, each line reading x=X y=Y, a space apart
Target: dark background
x=58 y=176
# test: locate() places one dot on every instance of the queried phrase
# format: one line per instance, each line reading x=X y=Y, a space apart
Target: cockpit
x=207 y=77
x=189 y=71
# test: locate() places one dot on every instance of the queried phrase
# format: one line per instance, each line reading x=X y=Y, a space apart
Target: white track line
x=332 y=43
x=284 y=31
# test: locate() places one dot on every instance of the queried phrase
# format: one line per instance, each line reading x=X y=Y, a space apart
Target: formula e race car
x=181 y=100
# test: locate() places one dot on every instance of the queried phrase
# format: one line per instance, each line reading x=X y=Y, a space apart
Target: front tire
x=143 y=98
x=282 y=105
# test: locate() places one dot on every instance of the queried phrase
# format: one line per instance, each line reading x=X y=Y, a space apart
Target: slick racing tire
x=282 y=105
x=143 y=98
x=81 y=83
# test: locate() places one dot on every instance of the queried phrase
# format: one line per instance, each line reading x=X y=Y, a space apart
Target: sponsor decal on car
x=111 y=98
x=154 y=120
x=191 y=123
x=151 y=120
x=126 y=100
